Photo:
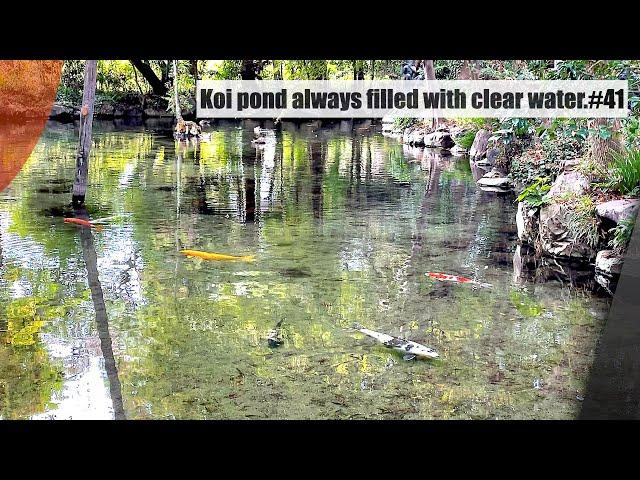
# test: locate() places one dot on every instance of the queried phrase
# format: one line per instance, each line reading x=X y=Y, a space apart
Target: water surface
x=343 y=222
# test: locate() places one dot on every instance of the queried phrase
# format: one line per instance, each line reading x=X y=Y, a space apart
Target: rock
x=609 y=262
x=492 y=155
x=478 y=149
x=494 y=180
x=156 y=113
x=438 y=139
x=127 y=111
x=570 y=165
x=527 y=223
x=488 y=188
x=416 y=138
x=62 y=112
x=458 y=151
x=502 y=183
x=387 y=122
x=484 y=163
x=569 y=183
x=606 y=282
x=478 y=171
x=104 y=110
x=618 y=210
x=555 y=239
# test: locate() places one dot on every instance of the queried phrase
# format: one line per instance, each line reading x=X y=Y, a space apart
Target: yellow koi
x=217 y=256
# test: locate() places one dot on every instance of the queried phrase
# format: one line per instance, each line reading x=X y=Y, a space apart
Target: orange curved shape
x=27 y=92
x=448 y=277
x=217 y=256
x=83 y=223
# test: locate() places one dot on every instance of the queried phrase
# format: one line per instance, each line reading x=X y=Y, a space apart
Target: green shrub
x=565 y=141
x=624 y=172
x=474 y=123
x=621 y=235
x=466 y=140
x=535 y=194
x=560 y=142
x=532 y=164
x=582 y=221
x=401 y=123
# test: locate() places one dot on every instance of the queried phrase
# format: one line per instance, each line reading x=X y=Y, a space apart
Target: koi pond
x=343 y=225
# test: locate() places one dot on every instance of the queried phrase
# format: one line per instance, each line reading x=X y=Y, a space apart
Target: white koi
x=407 y=347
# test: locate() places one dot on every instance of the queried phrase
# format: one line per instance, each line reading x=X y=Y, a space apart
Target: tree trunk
x=429 y=70
x=194 y=73
x=157 y=86
x=465 y=71
x=86 y=126
x=176 y=98
x=358 y=72
x=430 y=75
x=372 y=64
x=602 y=149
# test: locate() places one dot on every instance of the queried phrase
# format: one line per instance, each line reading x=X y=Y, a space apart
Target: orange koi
x=83 y=223
x=217 y=256
x=445 y=277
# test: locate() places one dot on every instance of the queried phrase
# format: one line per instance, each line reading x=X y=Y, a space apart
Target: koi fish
x=217 y=256
x=274 y=337
x=410 y=349
x=445 y=277
x=82 y=223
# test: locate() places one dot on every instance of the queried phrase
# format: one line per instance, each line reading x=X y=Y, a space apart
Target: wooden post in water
x=86 y=126
x=176 y=98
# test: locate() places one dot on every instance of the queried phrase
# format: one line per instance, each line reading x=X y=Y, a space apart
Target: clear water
x=343 y=223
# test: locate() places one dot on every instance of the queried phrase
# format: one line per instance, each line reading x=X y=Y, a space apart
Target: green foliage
x=447 y=69
x=562 y=140
x=624 y=172
x=564 y=129
x=472 y=123
x=532 y=164
x=571 y=70
x=401 y=123
x=518 y=127
x=535 y=194
x=466 y=139
x=71 y=82
x=621 y=234
x=631 y=132
x=511 y=130
x=228 y=70
x=582 y=220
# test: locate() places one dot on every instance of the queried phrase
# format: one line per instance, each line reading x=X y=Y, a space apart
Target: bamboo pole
x=86 y=126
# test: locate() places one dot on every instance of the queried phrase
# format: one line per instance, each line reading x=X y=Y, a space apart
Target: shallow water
x=344 y=223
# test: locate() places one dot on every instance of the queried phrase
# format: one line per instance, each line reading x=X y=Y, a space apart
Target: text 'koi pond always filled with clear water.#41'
x=311 y=232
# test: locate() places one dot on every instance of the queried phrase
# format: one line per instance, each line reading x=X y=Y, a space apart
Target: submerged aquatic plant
x=525 y=305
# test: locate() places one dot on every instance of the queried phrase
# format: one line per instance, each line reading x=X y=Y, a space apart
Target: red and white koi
x=445 y=277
